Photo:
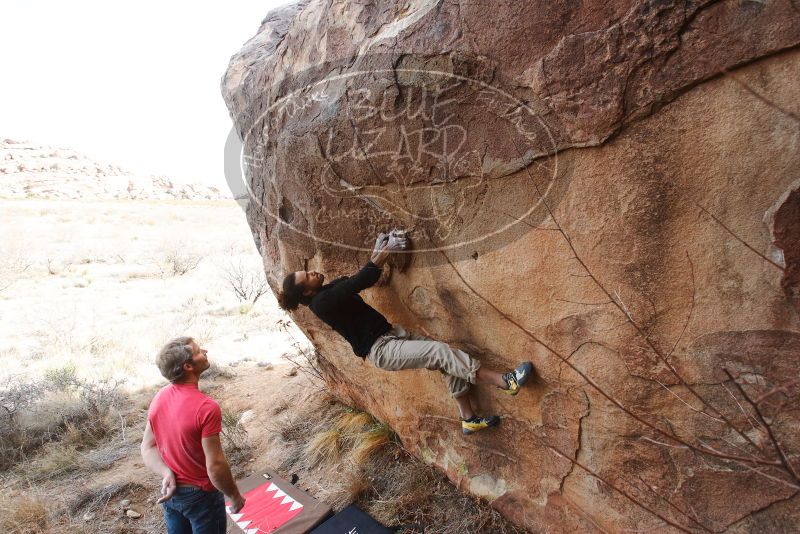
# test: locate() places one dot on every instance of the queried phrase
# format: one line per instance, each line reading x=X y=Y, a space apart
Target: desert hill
x=31 y=170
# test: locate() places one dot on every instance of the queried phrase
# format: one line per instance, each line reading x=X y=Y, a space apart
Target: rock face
x=610 y=189
x=30 y=170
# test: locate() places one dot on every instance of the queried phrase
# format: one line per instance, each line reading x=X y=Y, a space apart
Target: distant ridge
x=30 y=170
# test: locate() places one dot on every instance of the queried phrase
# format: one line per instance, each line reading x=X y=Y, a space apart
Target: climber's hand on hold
x=396 y=242
x=380 y=242
x=379 y=253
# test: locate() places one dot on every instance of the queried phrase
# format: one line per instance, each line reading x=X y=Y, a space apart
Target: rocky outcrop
x=607 y=188
x=30 y=170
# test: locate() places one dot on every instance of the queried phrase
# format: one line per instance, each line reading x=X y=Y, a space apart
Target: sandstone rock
x=607 y=188
x=133 y=514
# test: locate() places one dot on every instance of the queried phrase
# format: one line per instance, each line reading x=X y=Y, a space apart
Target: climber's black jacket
x=340 y=306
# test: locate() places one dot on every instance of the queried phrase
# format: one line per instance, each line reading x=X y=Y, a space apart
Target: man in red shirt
x=181 y=443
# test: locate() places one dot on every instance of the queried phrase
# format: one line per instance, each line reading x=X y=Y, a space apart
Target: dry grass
x=353 y=422
x=325 y=447
x=370 y=442
x=22 y=514
x=91 y=499
x=344 y=456
x=62 y=425
x=406 y=491
x=75 y=413
x=54 y=461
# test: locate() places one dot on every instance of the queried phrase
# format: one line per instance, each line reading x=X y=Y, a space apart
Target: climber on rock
x=389 y=347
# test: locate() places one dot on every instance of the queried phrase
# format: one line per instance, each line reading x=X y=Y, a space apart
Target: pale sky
x=128 y=83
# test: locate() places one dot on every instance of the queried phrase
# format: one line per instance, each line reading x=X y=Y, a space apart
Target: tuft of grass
x=23 y=515
x=346 y=489
x=345 y=456
x=325 y=447
x=370 y=442
x=57 y=460
x=233 y=432
x=353 y=422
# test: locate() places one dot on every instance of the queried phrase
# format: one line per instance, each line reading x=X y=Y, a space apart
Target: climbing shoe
x=516 y=379
x=476 y=424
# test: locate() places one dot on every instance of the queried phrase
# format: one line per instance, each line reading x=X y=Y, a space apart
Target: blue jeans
x=194 y=511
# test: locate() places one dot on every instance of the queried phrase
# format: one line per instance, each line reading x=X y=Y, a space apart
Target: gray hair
x=172 y=357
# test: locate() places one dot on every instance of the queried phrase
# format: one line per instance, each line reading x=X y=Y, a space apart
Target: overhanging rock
x=588 y=186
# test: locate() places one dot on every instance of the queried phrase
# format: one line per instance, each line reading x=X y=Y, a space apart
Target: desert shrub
x=16 y=398
x=12 y=266
x=304 y=357
x=59 y=407
x=177 y=261
x=58 y=266
x=235 y=440
x=245 y=280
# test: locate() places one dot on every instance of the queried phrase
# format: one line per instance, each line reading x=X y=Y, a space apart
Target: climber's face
x=310 y=281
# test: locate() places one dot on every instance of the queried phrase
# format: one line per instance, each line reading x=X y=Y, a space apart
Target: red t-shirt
x=180 y=416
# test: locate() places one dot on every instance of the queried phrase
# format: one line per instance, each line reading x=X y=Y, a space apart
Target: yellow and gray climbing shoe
x=516 y=379
x=476 y=424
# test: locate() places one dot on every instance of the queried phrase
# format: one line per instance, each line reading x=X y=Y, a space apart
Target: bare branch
x=622 y=491
x=691 y=307
x=739 y=239
x=586 y=303
x=627 y=314
x=761 y=97
x=693 y=517
x=703 y=449
x=753 y=422
x=247 y=283
x=775 y=443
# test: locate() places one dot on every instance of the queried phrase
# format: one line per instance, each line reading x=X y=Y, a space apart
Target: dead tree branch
x=761 y=97
x=638 y=328
x=775 y=443
x=701 y=449
x=625 y=493
x=737 y=238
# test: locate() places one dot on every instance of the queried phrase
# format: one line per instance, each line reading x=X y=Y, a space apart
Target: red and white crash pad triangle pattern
x=267 y=509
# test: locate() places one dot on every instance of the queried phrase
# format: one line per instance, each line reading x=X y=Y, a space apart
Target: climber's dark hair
x=292 y=294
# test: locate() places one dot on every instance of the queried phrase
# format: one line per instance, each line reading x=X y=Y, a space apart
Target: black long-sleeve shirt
x=340 y=306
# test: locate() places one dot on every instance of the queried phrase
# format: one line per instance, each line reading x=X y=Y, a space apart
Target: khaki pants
x=397 y=350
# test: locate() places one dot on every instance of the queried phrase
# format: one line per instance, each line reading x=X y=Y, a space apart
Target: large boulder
x=609 y=189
